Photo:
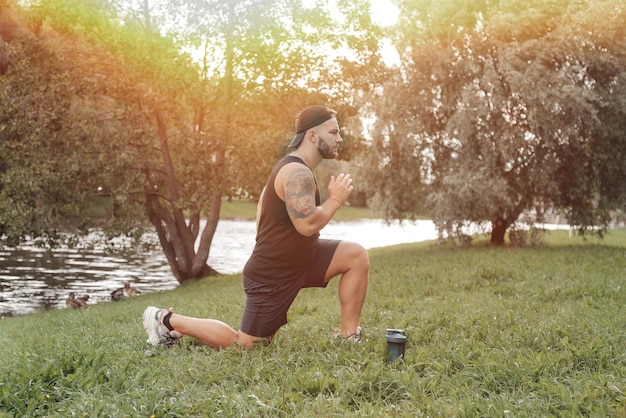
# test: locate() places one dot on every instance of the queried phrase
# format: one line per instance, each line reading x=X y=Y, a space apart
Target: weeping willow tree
x=503 y=109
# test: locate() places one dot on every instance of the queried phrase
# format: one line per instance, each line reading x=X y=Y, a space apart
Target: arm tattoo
x=300 y=193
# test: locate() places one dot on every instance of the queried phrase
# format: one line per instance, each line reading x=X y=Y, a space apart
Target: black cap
x=308 y=118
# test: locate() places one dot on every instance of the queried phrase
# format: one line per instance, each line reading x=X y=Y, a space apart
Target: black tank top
x=281 y=252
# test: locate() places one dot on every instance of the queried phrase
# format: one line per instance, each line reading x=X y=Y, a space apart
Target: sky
x=384 y=12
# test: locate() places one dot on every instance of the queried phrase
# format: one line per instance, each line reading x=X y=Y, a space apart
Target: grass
x=521 y=332
x=246 y=209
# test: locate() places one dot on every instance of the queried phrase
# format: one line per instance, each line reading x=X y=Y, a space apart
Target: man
x=288 y=255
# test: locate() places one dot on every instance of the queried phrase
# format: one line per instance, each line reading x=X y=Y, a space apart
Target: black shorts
x=267 y=303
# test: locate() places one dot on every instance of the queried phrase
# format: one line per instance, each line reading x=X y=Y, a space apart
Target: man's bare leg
x=213 y=333
x=352 y=262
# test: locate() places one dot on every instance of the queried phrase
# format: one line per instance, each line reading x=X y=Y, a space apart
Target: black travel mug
x=396 y=343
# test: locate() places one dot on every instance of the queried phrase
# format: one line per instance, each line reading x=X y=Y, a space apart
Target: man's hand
x=340 y=187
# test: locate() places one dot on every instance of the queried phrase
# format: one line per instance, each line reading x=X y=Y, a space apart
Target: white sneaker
x=158 y=334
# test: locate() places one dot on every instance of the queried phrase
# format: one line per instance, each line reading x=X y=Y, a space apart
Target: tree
x=503 y=119
x=183 y=137
x=45 y=136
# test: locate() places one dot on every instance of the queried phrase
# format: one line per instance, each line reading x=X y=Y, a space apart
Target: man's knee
x=248 y=341
x=361 y=257
x=349 y=257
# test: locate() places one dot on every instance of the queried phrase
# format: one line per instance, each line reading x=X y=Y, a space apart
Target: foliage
x=491 y=332
x=501 y=109
x=45 y=137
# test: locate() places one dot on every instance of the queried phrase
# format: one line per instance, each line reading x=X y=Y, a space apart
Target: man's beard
x=325 y=150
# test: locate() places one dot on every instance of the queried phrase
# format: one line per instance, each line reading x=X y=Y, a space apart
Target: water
x=32 y=280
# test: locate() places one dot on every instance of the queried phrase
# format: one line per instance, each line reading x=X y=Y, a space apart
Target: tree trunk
x=206 y=238
x=498 y=229
x=176 y=237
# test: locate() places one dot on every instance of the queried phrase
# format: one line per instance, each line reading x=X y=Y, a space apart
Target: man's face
x=329 y=139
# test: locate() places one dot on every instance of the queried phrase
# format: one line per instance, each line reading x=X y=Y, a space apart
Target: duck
x=73 y=302
x=131 y=291
x=118 y=294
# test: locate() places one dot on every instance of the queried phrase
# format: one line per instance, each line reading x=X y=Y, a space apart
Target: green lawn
x=245 y=209
x=520 y=332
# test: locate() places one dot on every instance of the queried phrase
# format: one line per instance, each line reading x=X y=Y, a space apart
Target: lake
x=32 y=280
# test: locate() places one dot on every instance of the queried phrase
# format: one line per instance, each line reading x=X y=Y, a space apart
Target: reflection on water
x=32 y=279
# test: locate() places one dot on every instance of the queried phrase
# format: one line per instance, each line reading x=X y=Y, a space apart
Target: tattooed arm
x=295 y=184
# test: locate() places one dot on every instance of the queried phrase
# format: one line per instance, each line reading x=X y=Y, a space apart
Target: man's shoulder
x=291 y=163
x=294 y=168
